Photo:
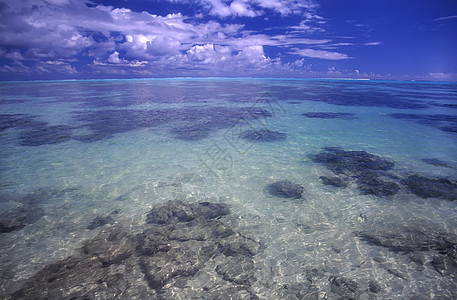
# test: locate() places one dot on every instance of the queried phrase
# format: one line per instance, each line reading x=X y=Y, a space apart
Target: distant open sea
x=222 y=188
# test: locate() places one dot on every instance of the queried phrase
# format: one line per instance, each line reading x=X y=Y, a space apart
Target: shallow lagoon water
x=82 y=159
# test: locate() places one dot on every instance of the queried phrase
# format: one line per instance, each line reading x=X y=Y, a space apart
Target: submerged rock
x=431 y=188
x=186 y=238
x=236 y=245
x=237 y=269
x=111 y=249
x=19 y=218
x=153 y=240
x=176 y=211
x=406 y=239
x=183 y=259
x=263 y=135
x=374 y=287
x=208 y=210
x=28 y=207
x=413 y=239
x=285 y=189
x=445 y=265
x=71 y=278
x=100 y=221
x=181 y=241
x=102 y=271
x=344 y=287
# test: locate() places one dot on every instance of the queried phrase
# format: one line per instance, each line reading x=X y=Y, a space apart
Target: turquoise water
x=74 y=150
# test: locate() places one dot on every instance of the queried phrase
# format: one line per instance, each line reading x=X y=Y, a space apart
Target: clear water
x=81 y=149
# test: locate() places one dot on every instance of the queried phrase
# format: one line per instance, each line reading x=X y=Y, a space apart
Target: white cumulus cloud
x=253 y=8
x=114 y=58
x=329 y=55
x=373 y=44
x=35 y=32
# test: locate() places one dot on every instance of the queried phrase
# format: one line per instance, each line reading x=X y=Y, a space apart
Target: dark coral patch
x=440 y=163
x=344 y=94
x=19 y=121
x=447 y=123
x=191 y=124
x=263 y=135
x=194 y=123
x=374 y=185
x=431 y=187
x=105 y=123
x=191 y=133
x=329 y=115
x=34 y=132
x=351 y=163
x=6 y=102
x=446 y=105
x=46 y=135
x=285 y=189
x=333 y=181
x=8 y=121
x=365 y=168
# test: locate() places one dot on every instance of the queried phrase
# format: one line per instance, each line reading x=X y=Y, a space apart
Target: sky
x=83 y=39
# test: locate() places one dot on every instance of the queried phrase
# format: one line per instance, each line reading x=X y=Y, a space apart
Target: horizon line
x=232 y=78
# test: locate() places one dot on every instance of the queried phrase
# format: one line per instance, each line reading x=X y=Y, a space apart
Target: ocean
x=220 y=188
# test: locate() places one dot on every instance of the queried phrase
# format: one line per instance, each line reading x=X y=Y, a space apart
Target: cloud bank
x=77 y=36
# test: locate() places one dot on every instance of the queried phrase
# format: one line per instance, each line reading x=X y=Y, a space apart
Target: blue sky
x=62 y=39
